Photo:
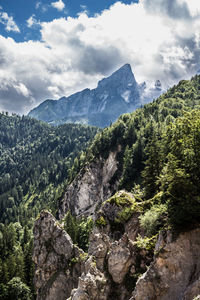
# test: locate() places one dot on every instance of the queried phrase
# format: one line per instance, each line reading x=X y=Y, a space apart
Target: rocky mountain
x=116 y=255
x=140 y=184
x=115 y=95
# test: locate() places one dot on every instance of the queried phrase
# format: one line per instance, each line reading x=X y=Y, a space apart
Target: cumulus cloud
x=59 y=5
x=193 y=6
x=8 y=22
x=75 y=53
x=32 y=22
x=171 y=8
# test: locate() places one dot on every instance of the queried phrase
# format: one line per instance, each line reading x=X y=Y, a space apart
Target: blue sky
x=53 y=48
x=44 y=11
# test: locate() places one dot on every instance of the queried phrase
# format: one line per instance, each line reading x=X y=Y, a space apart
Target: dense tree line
x=16 y=267
x=35 y=162
x=35 y=159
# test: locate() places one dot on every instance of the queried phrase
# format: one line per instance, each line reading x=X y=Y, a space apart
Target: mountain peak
x=124 y=68
x=121 y=77
x=117 y=94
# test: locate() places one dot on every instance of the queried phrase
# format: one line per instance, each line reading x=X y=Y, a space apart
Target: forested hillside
x=158 y=162
x=35 y=162
x=159 y=156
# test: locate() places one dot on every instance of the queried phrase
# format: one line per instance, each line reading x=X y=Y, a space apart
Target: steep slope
x=92 y=185
x=113 y=96
x=141 y=239
x=128 y=142
x=57 y=249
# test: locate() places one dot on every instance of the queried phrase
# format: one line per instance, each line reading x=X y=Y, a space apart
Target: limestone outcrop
x=116 y=266
x=175 y=272
x=119 y=260
x=53 y=250
x=93 y=284
x=60 y=274
x=91 y=187
x=98 y=247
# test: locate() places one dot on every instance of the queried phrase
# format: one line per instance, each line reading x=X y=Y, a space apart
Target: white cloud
x=59 y=5
x=43 y=7
x=32 y=22
x=38 y=4
x=8 y=21
x=76 y=52
x=22 y=90
x=193 y=6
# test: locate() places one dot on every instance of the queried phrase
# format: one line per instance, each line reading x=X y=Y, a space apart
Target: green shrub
x=146 y=243
x=122 y=198
x=125 y=214
x=151 y=219
x=101 y=221
x=18 y=290
x=127 y=206
x=85 y=226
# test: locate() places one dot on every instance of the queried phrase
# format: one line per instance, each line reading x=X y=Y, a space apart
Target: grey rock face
x=53 y=249
x=175 y=272
x=93 y=285
x=113 y=96
x=119 y=260
x=193 y=290
x=56 y=277
x=112 y=262
x=98 y=247
x=91 y=187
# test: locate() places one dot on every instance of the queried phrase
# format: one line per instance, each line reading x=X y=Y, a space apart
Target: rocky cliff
x=117 y=265
x=175 y=271
x=53 y=251
x=91 y=187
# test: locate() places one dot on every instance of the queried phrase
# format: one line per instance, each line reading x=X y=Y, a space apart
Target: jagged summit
x=122 y=76
x=117 y=94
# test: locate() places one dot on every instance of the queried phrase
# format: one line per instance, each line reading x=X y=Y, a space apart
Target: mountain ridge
x=114 y=95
